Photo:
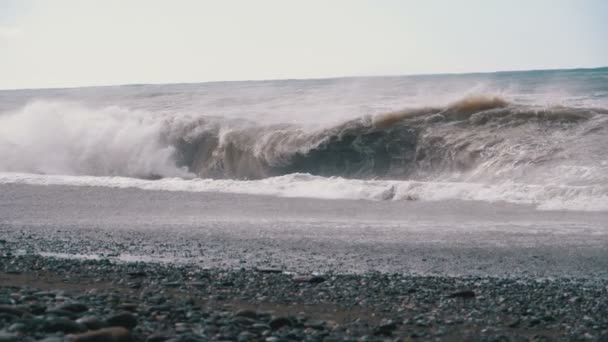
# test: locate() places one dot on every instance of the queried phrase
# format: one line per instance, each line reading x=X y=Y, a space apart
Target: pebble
x=63 y=325
x=279 y=322
x=8 y=337
x=112 y=334
x=462 y=294
x=246 y=313
x=91 y=322
x=73 y=307
x=349 y=307
x=11 y=310
x=125 y=319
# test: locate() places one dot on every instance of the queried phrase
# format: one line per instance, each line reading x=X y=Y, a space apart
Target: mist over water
x=535 y=137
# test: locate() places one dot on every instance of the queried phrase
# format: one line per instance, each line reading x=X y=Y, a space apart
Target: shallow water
x=296 y=234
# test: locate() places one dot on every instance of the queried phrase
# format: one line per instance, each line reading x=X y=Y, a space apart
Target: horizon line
x=310 y=79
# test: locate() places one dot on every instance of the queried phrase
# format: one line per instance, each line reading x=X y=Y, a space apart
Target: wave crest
x=479 y=138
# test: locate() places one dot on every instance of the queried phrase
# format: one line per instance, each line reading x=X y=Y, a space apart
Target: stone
x=52 y=339
x=462 y=294
x=279 y=322
x=91 y=322
x=386 y=328
x=157 y=338
x=246 y=336
x=125 y=319
x=62 y=313
x=128 y=307
x=63 y=325
x=11 y=310
x=17 y=327
x=73 y=307
x=269 y=270
x=316 y=279
x=246 y=313
x=112 y=334
x=6 y=337
x=136 y=274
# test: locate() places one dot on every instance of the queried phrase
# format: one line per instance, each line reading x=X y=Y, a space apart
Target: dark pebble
x=91 y=322
x=386 y=328
x=316 y=280
x=52 y=339
x=113 y=334
x=11 y=310
x=73 y=307
x=269 y=270
x=6 y=337
x=64 y=325
x=462 y=294
x=279 y=322
x=17 y=327
x=157 y=338
x=62 y=313
x=125 y=319
x=136 y=274
x=246 y=313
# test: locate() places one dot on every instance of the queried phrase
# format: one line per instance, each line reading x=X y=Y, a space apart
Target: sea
x=481 y=173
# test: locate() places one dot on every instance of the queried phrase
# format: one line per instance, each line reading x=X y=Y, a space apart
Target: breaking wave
x=544 y=197
x=482 y=144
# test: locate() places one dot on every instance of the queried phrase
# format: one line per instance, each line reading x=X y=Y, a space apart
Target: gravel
x=54 y=300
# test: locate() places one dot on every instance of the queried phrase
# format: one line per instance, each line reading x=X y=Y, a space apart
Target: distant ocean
x=537 y=138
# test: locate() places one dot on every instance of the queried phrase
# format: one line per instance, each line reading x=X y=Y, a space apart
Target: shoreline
x=186 y=302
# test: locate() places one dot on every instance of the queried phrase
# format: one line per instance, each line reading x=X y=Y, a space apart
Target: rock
x=259 y=327
x=244 y=321
x=17 y=327
x=113 y=334
x=132 y=307
x=11 y=310
x=37 y=309
x=246 y=336
x=386 y=328
x=62 y=313
x=64 y=325
x=157 y=338
x=269 y=270
x=246 y=313
x=73 y=307
x=44 y=294
x=462 y=294
x=173 y=284
x=6 y=337
x=91 y=322
x=279 y=322
x=125 y=319
x=136 y=274
x=316 y=280
x=317 y=325
x=309 y=279
x=52 y=339
x=513 y=323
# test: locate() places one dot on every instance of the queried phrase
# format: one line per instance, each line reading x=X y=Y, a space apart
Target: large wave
x=475 y=139
x=479 y=139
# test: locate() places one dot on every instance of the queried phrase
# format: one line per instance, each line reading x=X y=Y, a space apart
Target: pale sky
x=59 y=43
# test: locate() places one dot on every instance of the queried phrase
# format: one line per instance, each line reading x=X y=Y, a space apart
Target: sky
x=66 y=43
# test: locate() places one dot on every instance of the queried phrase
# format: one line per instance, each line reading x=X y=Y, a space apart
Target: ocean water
x=535 y=138
x=482 y=174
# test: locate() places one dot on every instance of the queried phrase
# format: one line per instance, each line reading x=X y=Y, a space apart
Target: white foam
x=67 y=138
x=544 y=197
